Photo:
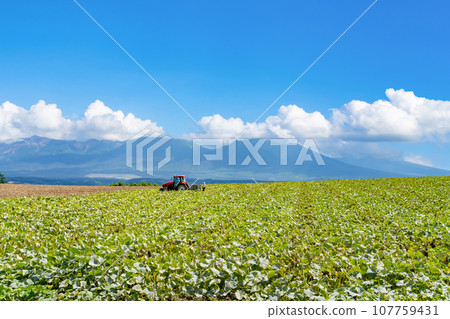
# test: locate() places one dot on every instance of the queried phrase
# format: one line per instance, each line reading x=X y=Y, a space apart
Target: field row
x=361 y=240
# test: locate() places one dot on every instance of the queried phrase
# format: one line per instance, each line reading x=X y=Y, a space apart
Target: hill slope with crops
x=385 y=239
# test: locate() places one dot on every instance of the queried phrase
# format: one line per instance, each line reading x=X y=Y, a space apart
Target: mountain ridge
x=45 y=158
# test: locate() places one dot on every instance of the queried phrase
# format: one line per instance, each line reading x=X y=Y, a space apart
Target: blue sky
x=231 y=58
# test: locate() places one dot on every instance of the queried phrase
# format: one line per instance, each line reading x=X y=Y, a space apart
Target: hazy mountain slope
x=59 y=160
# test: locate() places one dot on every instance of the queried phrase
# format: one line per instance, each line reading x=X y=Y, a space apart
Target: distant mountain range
x=43 y=160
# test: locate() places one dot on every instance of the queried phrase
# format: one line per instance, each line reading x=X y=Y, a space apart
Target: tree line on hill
x=3 y=179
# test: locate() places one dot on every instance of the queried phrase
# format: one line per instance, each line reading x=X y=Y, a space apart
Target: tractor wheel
x=181 y=188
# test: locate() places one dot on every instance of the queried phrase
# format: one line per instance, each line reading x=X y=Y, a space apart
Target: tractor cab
x=179 y=179
x=178 y=183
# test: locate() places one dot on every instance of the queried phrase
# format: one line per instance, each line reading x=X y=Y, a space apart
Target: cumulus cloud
x=218 y=127
x=378 y=121
x=47 y=120
x=100 y=122
x=403 y=117
x=291 y=121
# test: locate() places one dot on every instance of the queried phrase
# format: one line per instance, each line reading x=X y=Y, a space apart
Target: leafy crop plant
x=384 y=239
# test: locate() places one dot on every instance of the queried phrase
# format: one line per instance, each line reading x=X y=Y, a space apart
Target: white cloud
x=417 y=159
x=433 y=115
x=100 y=122
x=378 y=121
x=47 y=120
x=404 y=117
x=41 y=119
x=218 y=127
x=291 y=121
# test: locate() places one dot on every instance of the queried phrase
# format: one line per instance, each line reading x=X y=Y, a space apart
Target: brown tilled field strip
x=20 y=190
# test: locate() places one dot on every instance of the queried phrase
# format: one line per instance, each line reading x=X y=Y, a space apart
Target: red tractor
x=179 y=184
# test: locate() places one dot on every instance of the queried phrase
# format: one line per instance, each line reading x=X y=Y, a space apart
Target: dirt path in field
x=20 y=190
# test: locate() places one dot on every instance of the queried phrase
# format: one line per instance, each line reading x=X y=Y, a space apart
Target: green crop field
x=386 y=239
